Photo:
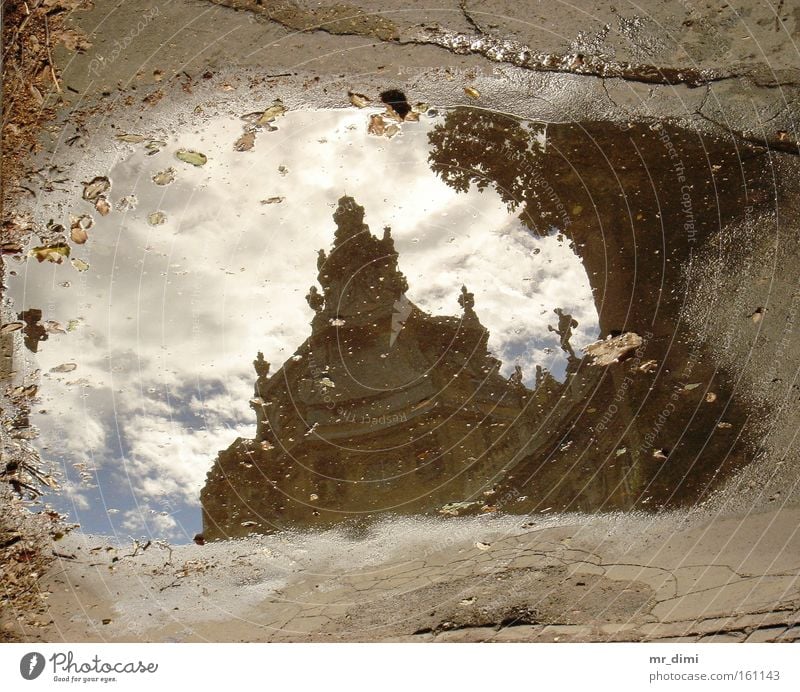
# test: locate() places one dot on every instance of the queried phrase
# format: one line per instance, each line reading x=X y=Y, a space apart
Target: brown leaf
x=377 y=125
x=78 y=235
x=358 y=100
x=245 y=142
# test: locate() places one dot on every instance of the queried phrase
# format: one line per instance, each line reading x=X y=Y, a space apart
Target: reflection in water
x=434 y=376
x=196 y=269
x=350 y=425
x=566 y=323
x=481 y=148
x=383 y=407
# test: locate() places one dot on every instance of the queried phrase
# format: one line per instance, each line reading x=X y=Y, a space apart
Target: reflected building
x=387 y=409
x=383 y=408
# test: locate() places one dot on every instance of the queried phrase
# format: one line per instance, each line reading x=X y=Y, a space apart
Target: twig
x=49 y=54
x=65 y=556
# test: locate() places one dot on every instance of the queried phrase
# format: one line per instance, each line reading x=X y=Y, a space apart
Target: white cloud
x=173 y=315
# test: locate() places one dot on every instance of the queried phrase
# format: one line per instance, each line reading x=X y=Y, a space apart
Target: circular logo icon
x=31 y=665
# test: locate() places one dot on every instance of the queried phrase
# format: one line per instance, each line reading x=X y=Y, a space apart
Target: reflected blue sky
x=167 y=319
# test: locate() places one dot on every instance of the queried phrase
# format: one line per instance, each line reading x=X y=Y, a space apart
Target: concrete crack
x=342 y=21
x=608 y=95
x=781 y=142
x=468 y=16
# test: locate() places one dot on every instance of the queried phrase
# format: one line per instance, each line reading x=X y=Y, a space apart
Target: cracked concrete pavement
x=735 y=68
x=608 y=578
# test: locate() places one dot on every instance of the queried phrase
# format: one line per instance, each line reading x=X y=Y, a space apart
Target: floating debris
x=65 y=367
x=154 y=146
x=455 y=508
x=648 y=366
x=313 y=497
x=54 y=327
x=127 y=203
x=78 y=234
x=276 y=110
x=131 y=138
x=51 y=253
x=273 y=200
x=95 y=188
x=157 y=218
x=195 y=158
x=103 y=206
x=245 y=142
x=79 y=264
x=621 y=451
x=84 y=221
x=380 y=128
x=613 y=349
x=282 y=170
x=711 y=397
x=690 y=387
x=376 y=126
x=358 y=100
x=723 y=425
x=266 y=117
x=164 y=177
x=660 y=454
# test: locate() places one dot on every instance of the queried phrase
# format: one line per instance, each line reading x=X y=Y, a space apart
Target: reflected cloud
x=170 y=316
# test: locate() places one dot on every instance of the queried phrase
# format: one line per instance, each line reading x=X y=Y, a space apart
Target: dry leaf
x=65 y=367
x=164 y=177
x=131 y=138
x=193 y=157
x=11 y=327
x=103 y=206
x=613 y=349
x=78 y=235
x=276 y=110
x=52 y=253
x=376 y=126
x=96 y=187
x=245 y=142
x=358 y=100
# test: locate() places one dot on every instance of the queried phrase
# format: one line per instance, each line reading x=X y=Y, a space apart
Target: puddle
x=434 y=367
x=164 y=324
